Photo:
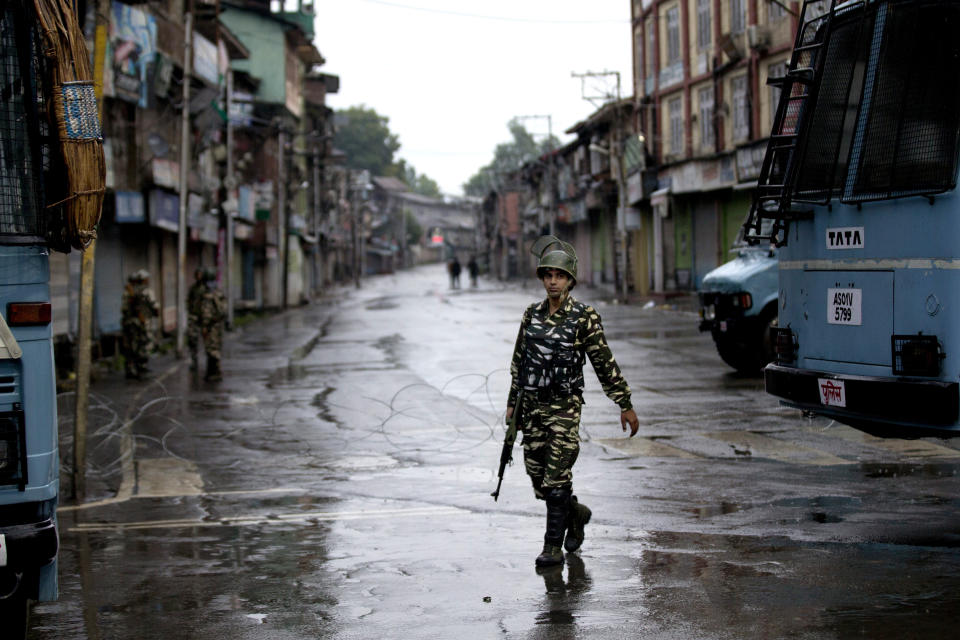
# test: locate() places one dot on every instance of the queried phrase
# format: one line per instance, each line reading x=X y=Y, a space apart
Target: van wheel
x=768 y=321
x=743 y=360
x=14 y=612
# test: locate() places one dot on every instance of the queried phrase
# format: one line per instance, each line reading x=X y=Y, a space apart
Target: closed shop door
x=706 y=239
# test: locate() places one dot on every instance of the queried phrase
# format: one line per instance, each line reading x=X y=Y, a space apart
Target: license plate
x=723 y=325
x=844 y=306
x=833 y=393
x=3 y=550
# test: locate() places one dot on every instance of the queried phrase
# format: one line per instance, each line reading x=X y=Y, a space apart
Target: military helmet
x=553 y=253
x=140 y=275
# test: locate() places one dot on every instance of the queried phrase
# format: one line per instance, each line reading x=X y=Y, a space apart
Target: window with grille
x=638 y=48
x=673 y=35
x=886 y=119
x=776 y=70
x=705 y=102
x=651 y=36
x=907 y=142
x=21 y=160
x=675 y=110
x=741 y=109
x=738 y=16
x=777 y=9
x=703 y=24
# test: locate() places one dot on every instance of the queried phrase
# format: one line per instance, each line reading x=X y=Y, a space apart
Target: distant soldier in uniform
x=139 y=309
x=555 y=338
x=213 y=315
x=194 y=298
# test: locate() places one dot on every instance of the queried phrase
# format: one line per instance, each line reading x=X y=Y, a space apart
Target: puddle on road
x=382 y=304
x=710 y=511
x=906 y=470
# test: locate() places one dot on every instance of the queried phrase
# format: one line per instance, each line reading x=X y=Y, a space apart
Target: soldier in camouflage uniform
x=194 y=298
x=556 y=337
x=139 y=308
x=213 y=314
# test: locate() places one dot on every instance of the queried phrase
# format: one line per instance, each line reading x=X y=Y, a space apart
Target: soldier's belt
x=549 y=394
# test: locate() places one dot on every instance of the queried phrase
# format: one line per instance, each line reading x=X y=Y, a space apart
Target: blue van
x=738 y=306
x=29 y=228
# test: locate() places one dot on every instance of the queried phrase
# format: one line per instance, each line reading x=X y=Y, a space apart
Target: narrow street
x=337 y=484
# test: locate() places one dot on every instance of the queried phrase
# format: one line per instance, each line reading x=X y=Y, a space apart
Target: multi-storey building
x=700 y=82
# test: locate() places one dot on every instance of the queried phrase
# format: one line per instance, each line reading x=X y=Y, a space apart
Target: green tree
x=418 y=182
x=365 y=138
x=507 y=157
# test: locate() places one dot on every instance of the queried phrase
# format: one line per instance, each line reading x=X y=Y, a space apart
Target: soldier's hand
x=509 y=413
x=630 y=416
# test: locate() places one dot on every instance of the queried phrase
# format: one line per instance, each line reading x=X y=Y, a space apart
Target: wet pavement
x=336 y=484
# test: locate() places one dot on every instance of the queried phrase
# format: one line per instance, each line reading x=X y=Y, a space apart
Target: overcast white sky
x=450 y=75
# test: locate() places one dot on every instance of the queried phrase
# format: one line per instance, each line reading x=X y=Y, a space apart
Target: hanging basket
x=76 y=118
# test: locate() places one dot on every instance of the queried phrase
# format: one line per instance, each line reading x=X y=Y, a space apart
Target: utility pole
x=184 y=185
x=317 y=190
x=616 y=161
x=282 y=213
x=87 y=270
x=231 y=184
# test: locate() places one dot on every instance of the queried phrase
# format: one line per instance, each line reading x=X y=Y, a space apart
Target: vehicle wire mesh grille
x=910 y=142
x=823 y=165
x=21 y=158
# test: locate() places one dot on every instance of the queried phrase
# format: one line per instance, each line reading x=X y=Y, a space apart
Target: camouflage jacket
x=551 y=350
x=139 y=305
x=195 y=300
x=213 y=308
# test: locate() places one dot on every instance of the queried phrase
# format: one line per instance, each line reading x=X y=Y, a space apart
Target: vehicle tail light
x=22 y=314
x=916 y=355
x=784 y=343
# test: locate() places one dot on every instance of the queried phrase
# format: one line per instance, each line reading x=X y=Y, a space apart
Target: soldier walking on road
x=194 y=299
x=139 y=308
x=555 y=338
x=213 y=315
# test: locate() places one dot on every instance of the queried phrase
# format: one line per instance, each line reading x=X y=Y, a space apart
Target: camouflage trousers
x=551 y=441
x=193 y=336
x=213 y=340
x=135 y=347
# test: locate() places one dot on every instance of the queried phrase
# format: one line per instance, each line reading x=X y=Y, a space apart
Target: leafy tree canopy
x=508 y=157
x=365 y=138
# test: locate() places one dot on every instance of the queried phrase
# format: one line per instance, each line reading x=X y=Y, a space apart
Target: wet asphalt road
x=336 y=485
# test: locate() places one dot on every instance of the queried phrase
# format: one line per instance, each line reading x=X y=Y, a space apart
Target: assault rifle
x=506 y=455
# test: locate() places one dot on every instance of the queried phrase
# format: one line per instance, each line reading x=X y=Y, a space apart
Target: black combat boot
x=577 y=519
x=213 y=369
x=558 y=506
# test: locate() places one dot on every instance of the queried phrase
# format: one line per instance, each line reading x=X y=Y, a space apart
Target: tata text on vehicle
x=859 y=181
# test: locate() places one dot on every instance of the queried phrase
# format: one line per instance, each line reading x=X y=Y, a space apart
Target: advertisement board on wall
x=132 y=49
x=164 y=210
x=129 y=207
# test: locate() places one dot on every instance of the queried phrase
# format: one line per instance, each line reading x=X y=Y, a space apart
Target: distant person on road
x=474 y=270
x=194 y=299
x=454 y=268
x=139 y=308
x=555 y=338
x=213 y=315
